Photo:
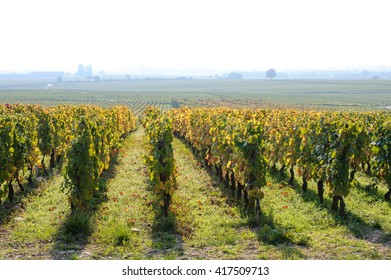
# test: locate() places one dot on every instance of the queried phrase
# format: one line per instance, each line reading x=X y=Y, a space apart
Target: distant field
x=314 y=94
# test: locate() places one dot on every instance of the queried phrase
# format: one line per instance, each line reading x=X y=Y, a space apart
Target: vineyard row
x=327 y=147
x=84 y=137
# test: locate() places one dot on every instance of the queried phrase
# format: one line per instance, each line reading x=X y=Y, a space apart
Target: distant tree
x=175 y=103
x=271 y=73
x=59 y=79
x=234 y=76
x=127 y=76
x=365 y=74
x=96 y=79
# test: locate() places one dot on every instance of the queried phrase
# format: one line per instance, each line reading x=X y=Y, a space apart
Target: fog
x=193 y=37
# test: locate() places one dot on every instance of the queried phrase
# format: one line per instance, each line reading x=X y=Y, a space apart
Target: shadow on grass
x=73 y=235
x=167 y=242
x=355 y=224
x=264 y=225
x=371 y=191
x=32 y=189
x=8 y=209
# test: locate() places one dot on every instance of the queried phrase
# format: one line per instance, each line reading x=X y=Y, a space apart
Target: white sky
x=132 y=36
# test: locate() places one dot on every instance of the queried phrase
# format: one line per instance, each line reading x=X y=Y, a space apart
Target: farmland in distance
x=356 y=95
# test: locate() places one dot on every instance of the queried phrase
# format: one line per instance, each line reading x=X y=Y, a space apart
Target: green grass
x=206 y=219
x=32 y=229
x=124 y=221
x=356 y=236
x=205 y=222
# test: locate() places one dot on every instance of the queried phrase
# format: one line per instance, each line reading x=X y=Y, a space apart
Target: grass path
x=124 y=222
x=206 y=223
x=32 y=229
x=210 y=223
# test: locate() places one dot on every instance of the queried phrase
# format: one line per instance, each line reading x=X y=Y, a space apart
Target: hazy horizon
x=203 y=72
x=193 y=37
